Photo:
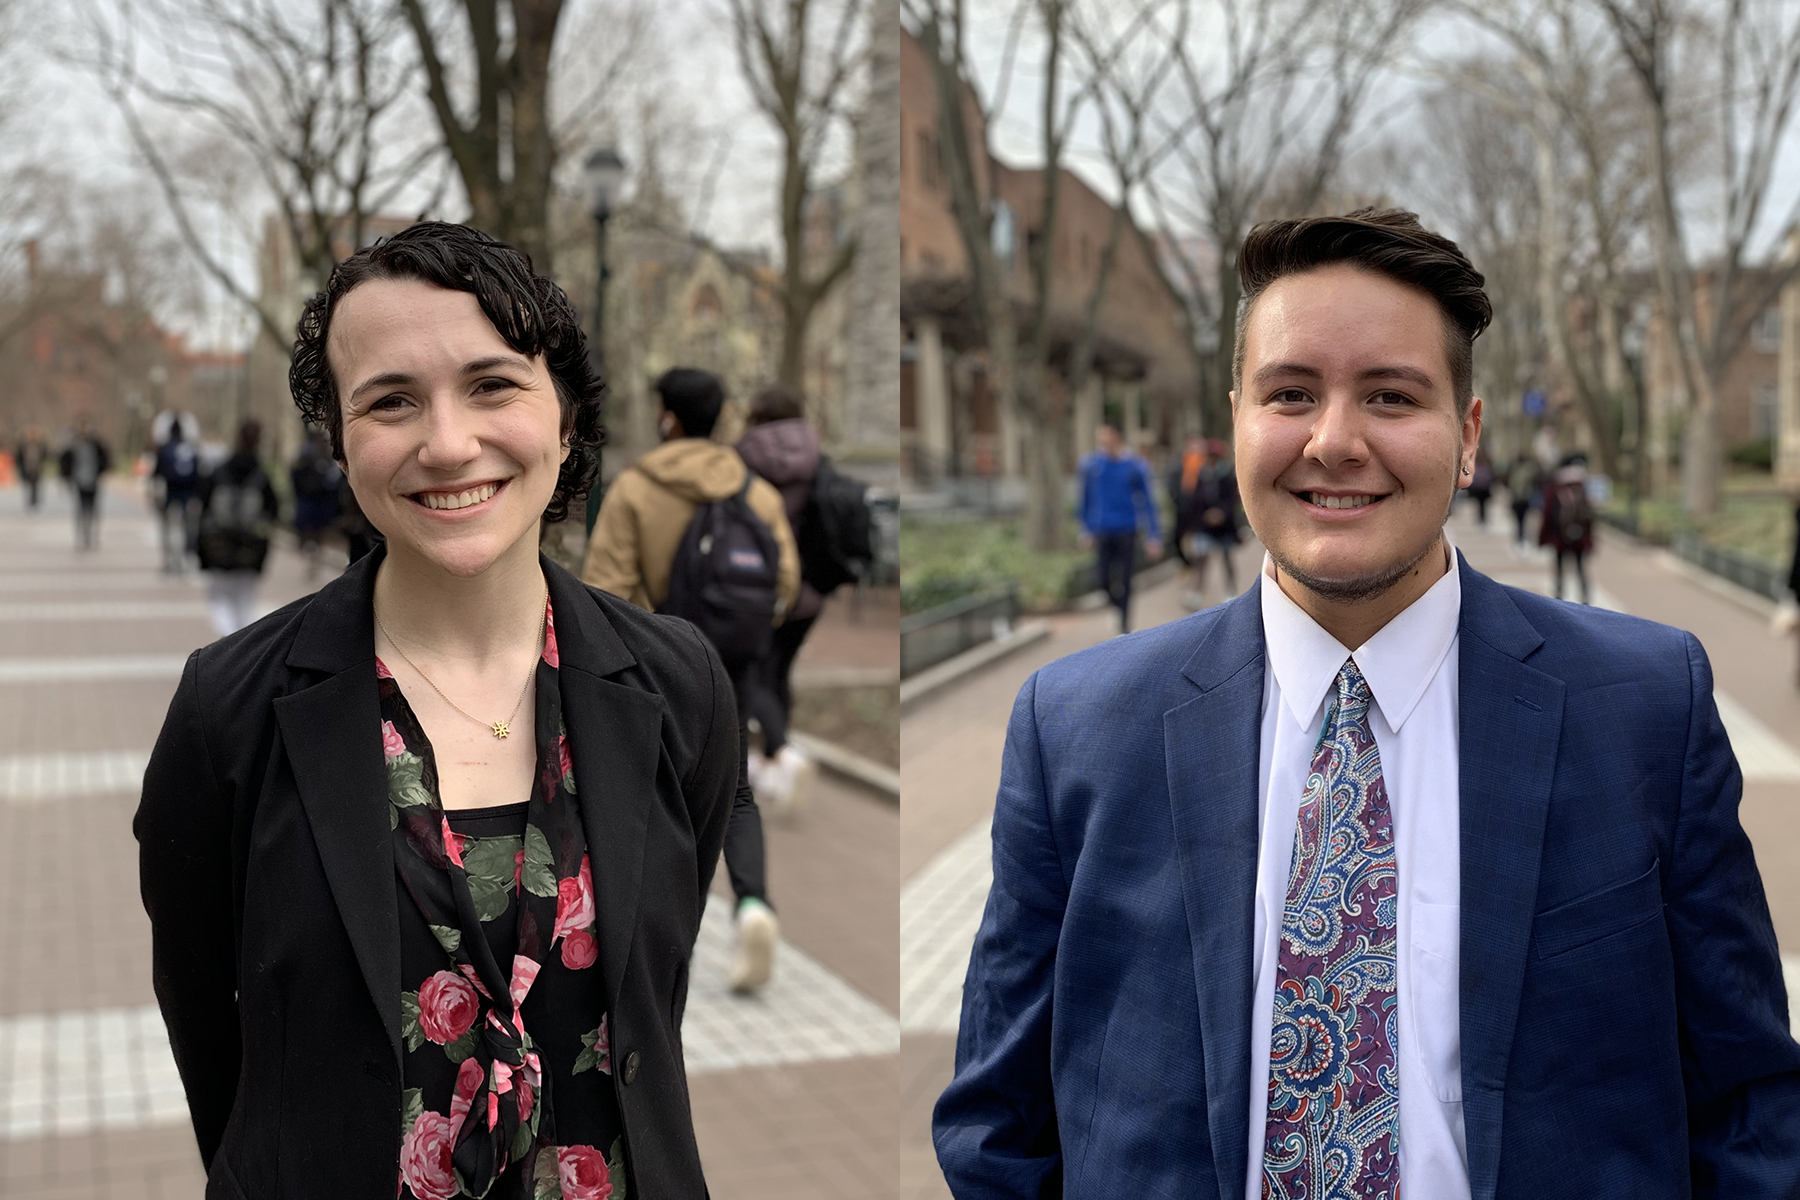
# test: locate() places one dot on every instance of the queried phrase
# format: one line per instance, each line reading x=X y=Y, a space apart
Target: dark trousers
x=31 y=489
x=744 y=857
x=87 y=518
x=1520 y=512
x=1115 y=555
x=771 y=686
x=1481 y=503
x=1580 y=572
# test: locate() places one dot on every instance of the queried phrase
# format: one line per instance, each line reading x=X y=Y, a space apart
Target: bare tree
x=941 y=27
x=1754 y=48
x=501 y=139
x=306 y=98
x=1561 y=85
x=1129 y=70
x=1270 y=91
x=799 y=64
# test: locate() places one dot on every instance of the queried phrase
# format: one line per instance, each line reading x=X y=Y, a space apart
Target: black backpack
x=724 y=578
x=1574 y=514
x=836 y=534
x=234 y=529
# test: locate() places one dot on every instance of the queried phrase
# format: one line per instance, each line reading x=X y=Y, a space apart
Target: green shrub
x=1759 y=454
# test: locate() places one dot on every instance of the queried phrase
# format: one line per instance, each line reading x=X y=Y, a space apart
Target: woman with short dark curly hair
x=425 y=854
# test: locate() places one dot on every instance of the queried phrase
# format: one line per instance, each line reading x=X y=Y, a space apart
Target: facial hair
x=1376 y=583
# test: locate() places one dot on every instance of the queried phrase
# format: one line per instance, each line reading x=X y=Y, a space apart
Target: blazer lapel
x=1509 y=724
x=332 y=734
x=1211 y=746
x=615 y=737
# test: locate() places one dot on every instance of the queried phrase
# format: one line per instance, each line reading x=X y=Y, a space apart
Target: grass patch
x=1753 y=518
x=943 y=560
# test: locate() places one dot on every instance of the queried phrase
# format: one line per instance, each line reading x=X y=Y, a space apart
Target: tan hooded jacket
x=648 y=508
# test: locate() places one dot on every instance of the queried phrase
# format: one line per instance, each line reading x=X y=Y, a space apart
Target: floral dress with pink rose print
x=507 y=1090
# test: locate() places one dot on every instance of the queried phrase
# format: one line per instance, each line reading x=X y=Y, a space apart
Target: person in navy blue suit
x=1381 y=878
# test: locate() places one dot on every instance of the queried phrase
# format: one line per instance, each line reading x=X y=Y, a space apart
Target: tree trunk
x=1215 y=402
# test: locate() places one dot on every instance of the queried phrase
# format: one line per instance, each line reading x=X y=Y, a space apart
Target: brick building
x=74 y=344
x=1145 y=374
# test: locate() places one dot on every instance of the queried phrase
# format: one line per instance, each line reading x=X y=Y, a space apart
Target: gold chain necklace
x=500 y=729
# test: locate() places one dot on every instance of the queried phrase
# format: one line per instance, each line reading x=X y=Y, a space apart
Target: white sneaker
x=757 y=768
x=757 y=933
x=797 y=774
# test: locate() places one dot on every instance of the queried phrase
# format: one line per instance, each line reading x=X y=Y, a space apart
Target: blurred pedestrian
x=1789 y=611
x=29 y=457
x=316 y=479
x=1481 y=486
x=238 y=507
x=83 y=464
x=1568 y=524
x=689 y=530
x=1204 y=490
x=780 y=446
x=487 y=800
x=1523 y=479
x=177 y=471
x=1116 y=501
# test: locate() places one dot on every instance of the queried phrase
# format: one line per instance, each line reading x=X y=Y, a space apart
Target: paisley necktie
x=1334 y=1093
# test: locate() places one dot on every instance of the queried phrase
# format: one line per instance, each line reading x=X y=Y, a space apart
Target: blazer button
x=631 y=1067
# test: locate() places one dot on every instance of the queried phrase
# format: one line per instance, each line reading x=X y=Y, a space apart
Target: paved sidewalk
x=951 y=745
x=793 y=1091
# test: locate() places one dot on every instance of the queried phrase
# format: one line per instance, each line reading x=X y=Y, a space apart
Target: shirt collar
x=1399 y=661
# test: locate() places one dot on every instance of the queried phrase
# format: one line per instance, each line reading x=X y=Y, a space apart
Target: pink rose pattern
x=476 y=1054
x=585 y=1173
x=425 y=1157
x=447 y=1007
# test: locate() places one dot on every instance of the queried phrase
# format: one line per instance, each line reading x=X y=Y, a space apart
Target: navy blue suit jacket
x=1624 y=1023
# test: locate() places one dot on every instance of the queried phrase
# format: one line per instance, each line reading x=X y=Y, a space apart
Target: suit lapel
x=1509 y=724
x=332 y=734
x=1212 y=753
x=615 y=737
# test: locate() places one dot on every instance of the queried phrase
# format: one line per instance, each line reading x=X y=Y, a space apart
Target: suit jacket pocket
x=1587 y=919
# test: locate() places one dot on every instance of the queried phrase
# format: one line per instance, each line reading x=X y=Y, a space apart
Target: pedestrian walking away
x=689 y=530
x=1116 y=502
x=177 y=474
x=443 y=830
x=1481 y=486
x=238 y=507
x=316 y=480
x=781 y=446
x=1345 y=879
x=1203 y=490
x=1523 y=481
x=29 y=458
x=1568 y=524
x=84 y=463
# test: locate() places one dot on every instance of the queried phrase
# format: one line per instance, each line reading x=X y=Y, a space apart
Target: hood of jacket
x=695 y=469
x=782 y=452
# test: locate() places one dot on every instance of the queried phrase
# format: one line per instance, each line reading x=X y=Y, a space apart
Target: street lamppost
x=605 y=170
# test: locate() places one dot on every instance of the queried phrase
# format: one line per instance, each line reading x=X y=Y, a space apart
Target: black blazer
x=268 y=873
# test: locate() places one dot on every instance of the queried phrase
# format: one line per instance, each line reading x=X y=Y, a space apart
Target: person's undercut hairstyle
x=531 y=314
x=694 y=397
x=1388 y=241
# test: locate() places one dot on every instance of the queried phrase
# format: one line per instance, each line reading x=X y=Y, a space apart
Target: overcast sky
x=692 y=67
x=1015 y=129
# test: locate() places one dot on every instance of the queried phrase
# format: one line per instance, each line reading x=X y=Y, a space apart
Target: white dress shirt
x=1411 y=669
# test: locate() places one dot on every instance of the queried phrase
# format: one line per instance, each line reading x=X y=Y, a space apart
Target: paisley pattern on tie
x=1334 y=1092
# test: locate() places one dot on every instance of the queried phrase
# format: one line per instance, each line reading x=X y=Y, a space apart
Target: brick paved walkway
x=950 y=768
x=794 y=1091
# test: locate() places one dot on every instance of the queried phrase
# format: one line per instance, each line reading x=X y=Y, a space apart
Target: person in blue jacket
x=1116 y=501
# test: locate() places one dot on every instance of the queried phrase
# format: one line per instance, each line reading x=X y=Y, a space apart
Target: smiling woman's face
x=452 y=439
